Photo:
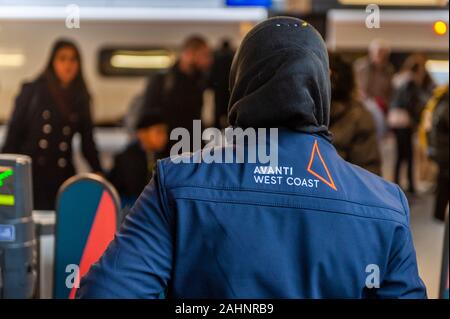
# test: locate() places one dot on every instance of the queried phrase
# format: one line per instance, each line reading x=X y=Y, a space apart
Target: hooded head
x=280 y=78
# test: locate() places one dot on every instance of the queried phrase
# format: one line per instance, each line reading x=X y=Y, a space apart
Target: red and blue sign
x=86 y=222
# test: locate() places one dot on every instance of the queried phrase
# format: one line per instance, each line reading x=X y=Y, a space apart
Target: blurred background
x=397 y=54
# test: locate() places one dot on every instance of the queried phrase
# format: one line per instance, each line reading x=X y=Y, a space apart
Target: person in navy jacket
x=314 y=226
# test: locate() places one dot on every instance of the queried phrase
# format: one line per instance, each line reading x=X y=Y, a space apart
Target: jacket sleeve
x=15 y=135
x=138 y=262
x=88 y=146
x=402 y=279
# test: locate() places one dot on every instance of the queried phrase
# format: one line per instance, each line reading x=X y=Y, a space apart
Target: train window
x=122 y=61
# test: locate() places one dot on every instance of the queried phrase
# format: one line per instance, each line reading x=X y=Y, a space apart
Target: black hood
x=280 y=78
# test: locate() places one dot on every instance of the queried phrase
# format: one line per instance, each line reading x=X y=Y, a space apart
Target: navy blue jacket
x=313 y=227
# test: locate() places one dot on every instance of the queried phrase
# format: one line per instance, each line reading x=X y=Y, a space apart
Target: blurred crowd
x=410 y=105
x=370 y=101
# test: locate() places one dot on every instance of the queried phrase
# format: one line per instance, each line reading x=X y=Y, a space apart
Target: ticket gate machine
x=17 y=235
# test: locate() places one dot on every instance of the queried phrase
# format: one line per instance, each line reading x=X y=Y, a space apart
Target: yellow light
x=440 y=27
x=134 y=60
x=11 y=59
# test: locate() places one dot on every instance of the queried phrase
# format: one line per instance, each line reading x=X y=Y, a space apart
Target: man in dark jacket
x=178 y=94
x=353 y=127
x=314 y=226
x=133 y=167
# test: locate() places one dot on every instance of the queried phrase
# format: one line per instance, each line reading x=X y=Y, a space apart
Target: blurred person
x=352 y=125
x=439 y=140
x=133 y=168
x=412 y=89
x=415 y=63
x=378 y=117
x=424 y=91
x=210 y=230
x=429 y=171
x=373 y=74
x=219 y=78
x=48 y=112
x=178 y=94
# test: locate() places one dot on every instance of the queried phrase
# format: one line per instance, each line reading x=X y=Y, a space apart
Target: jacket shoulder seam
x=254 y=203
x=284 y=193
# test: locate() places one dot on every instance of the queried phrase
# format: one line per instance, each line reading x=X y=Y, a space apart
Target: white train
x=26 y=35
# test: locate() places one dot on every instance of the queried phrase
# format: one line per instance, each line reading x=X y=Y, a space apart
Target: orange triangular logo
x=316 y=152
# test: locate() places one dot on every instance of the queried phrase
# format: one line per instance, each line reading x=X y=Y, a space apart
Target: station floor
x=428 y=237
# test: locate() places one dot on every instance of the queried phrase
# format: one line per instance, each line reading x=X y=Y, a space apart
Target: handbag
x=398 y=118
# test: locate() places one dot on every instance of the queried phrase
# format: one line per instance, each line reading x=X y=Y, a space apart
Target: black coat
x=412 y=98
x=38 y=129
x=177 y=97
x=439 y=136
x=131 y=172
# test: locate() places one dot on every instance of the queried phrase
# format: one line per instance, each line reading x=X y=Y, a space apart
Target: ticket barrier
x=39 y=251
x=87 y=218
x=17 y=236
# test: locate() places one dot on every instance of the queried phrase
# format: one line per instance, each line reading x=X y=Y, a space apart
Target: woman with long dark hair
x=413 y=87
x=48 y=112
